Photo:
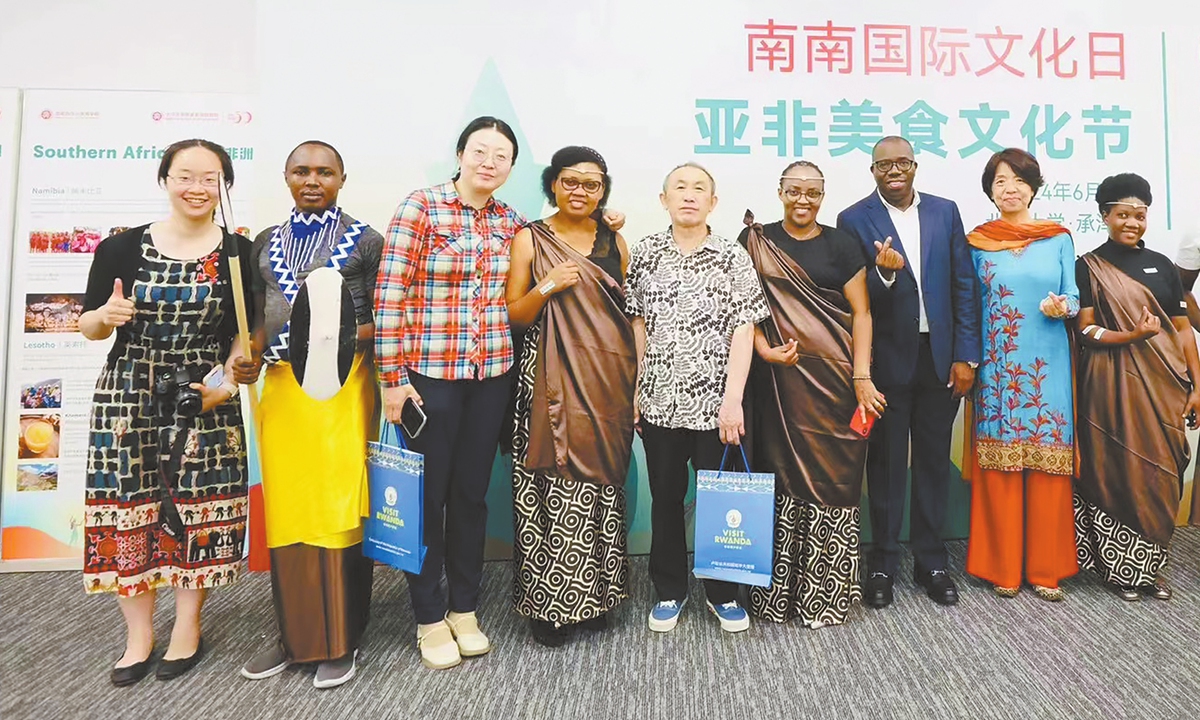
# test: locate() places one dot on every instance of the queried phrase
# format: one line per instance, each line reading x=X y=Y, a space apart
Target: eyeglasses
x=498 y=157
x=903 y=165
x=795 y=194
x=208 y=181
x=591 y=187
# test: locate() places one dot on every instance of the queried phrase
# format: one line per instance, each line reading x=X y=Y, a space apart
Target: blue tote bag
x=394 y=531
x=735 y=524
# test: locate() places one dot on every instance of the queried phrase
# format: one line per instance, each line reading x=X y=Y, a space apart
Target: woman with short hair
x=1137 y=397
x=1020 y=453
x=574 y=405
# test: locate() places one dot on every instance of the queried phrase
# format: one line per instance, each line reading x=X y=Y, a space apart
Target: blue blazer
x=948 y=287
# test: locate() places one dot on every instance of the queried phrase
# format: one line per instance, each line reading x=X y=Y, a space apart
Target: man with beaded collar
x=314 y=450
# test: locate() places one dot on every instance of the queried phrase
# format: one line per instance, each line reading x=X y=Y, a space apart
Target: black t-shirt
x=1150 y=268
x=830 y=259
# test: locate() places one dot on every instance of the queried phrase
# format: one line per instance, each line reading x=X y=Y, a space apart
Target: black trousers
x=668 y=451
x=459 y=444
x=924 y=409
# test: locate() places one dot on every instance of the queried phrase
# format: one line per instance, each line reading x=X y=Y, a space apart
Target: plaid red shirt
x=440 y=308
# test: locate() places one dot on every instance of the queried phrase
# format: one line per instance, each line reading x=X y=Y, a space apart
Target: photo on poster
x=43 y=394
x=78 y=240
x=53 y=312
x=39 y=437
x=37 y=477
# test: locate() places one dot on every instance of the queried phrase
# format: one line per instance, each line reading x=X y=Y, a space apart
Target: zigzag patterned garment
x=294 y=246
x=306 y=234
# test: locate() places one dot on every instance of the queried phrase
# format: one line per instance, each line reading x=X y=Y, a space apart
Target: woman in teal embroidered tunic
x=1022 y=433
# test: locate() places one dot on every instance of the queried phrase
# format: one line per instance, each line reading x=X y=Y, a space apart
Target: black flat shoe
x=939 y=586
x=547 y=633
x=877 y=590
x=132 y=674
x=171 y=669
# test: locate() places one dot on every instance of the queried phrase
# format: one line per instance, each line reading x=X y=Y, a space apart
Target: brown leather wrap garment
x=1132 y=442
x=1195 y=518
x=322 y=599
x=581 y=421
x=803 y=412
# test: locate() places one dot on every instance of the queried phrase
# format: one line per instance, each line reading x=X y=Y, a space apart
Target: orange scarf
x=997 y=235
x=994 y=236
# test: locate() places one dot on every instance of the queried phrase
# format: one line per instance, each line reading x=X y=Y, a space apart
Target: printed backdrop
x=744 y=87
x=88 y=167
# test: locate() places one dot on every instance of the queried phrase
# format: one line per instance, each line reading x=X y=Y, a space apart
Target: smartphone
x=412 y=418
x=215 y=377
x=862 y=425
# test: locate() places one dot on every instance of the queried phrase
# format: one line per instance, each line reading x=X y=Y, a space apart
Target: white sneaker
x=438 y=649
x=471 y=640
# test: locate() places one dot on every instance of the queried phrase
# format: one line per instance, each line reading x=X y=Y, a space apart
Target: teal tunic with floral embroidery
x=1023 y=399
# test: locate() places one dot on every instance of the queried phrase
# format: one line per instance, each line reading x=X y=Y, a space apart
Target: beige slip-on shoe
x=471 y=640
x=438 y=649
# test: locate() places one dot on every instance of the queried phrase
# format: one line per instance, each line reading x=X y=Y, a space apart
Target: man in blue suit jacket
x=925 y=304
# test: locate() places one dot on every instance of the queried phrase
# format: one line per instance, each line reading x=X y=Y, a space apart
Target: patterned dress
x=177 y=325
x=570 y=559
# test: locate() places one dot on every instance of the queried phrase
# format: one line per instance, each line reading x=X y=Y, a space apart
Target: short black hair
x=800 y=163
x=573 y=155
x=1121 y=186
x=318 y=143
x=486 y=122
x=890 y=138
x=1022 y=163
x=168 y=157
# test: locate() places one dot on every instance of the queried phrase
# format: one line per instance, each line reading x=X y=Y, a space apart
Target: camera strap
x=168 y=514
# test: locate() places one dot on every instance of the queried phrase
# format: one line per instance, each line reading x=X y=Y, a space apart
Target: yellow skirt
x=314 y=457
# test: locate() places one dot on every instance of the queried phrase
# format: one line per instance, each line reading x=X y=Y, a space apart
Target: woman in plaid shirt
x=443 y=341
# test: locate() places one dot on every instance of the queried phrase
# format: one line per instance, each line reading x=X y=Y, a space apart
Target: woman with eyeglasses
x=443 y=341
x=1137 y=375
x=574 y=405
x=1019 y=441
x=811 y=379
x=166 y=477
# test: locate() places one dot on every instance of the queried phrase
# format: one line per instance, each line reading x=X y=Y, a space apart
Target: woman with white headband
x=811 y=381
x=1137 y=389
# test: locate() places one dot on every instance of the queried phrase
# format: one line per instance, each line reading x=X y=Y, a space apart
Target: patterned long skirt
x=179 y=313
x=569 y=553
x=815 y=573
x=1113 y=550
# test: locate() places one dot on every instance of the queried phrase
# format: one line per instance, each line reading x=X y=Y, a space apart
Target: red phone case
x=860 y=426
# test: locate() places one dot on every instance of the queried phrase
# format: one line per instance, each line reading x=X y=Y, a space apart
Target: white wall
x=128 y=45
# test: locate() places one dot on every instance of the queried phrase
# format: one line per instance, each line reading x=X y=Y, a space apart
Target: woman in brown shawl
x=1137 y=388
x=811 y=379
x=573 y=433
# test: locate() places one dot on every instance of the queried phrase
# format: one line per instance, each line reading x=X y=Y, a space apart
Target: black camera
x=172 y=388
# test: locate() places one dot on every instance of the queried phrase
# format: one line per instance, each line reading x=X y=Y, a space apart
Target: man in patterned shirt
x=695 y=299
